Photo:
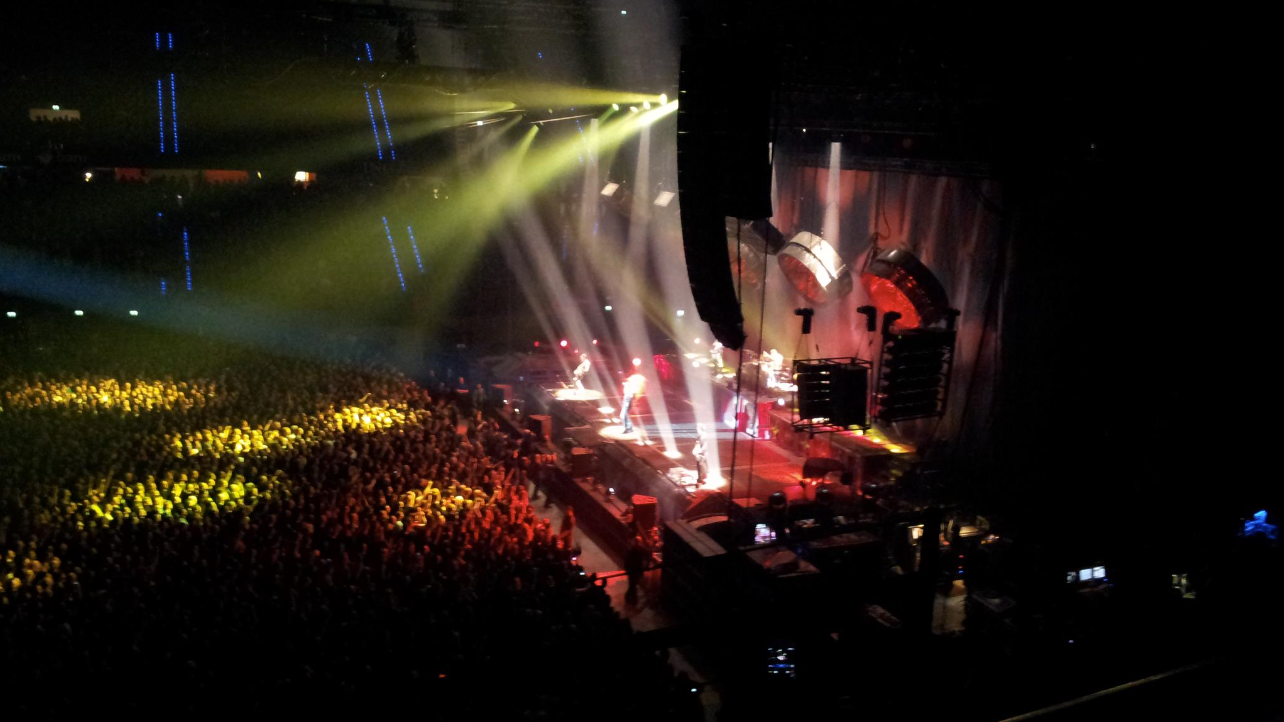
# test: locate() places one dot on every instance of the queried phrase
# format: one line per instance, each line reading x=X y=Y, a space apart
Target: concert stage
x=640 y=463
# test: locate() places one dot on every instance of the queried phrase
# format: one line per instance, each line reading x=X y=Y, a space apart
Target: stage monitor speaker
x=646 y=514
x=724 y=167
x=541 y=425
x=583 y=462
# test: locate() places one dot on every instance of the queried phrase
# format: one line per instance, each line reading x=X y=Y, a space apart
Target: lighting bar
x=397 y=264
x=415 y=246
x=187 y=258
x=160 y=112
x=387 y=128
x=173 y=99
x=373 y=126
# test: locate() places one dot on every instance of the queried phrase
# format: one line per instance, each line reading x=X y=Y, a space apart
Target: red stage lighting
x=537 y=344
x=897 y=281
x=563 y=343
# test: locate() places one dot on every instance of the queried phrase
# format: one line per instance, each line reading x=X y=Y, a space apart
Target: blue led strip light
x=373 y=126
x=392 y=149
x=171 y=40
x=369 y=55
x=158 y=41
x=162 y=287
x=393 y=246
x=187 y=258
x=173 y=99
x=160 y=111
x=415 y=246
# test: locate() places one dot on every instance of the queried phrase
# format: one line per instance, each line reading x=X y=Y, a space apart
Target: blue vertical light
x=369 y=55
x=173 y=99
x=160 y=112
x=171 y=40
x=397 y=264
x=415 y=246
x=162 y=287
x=187 y=258
x=158 y=41
x=373 y=126
x=391 y=148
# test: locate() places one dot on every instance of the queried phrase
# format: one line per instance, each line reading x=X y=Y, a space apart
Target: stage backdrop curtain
x=953 y=224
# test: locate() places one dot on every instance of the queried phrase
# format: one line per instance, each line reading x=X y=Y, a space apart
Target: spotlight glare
x=633 y=108
x=88 y=176
x=609 y=189
x=695 y=364
x=637 y=362
x=615 y=106
x=133 y=312
x=57 y=107
x=664 y=99
x=481 y=122
x=697 y=341
x=646 y=105
x=681 y=313
x=78 y=312
x=664 y=199
x=594 y=342
x=606 y=308
x=537 y=344
x=624 y=12
x=11 y=314
x=563 y=343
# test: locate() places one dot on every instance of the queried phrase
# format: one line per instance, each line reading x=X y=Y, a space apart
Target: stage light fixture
x=615 y=106
x=697 y=342
x=664 y=199
x=537 y=344
x=57 y=107
x=563 y=343
x=11 y=314
x=637 y=362
x=606 y=308
x=133 y=313
x=815 y=269
x=681 y=313
x=594 y=342
x=633 y=108
x=481 y=122
x=664 y=99
x=88 y=176
x=646 y=105
x=898 y=282
x=78 y=312
x=624 y=12
x=609 y=189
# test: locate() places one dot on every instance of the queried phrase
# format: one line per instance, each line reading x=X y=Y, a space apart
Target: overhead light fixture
x=57 y=107
x=606 y=308
x=133 y=313
x=815 y=269
x=624 y=12
x=664 y=99
x=300 y=176
x=681 y=313
x=481 y=122
x=78 y=312
x=11 y=314
x=563 y=342
x=646 y=105
x=615 y=106
x=664 y=199
x=609 y=189
x=633 y=108
x=897 y=281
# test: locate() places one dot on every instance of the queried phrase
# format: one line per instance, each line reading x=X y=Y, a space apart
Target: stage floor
x=762 y=466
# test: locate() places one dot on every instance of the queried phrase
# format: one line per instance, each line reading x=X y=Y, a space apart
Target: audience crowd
x=287 y=536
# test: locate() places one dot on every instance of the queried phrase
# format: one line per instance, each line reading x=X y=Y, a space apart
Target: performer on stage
x=634 y=387
x=773 y=362
x=701 y=454
x=582 y=370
